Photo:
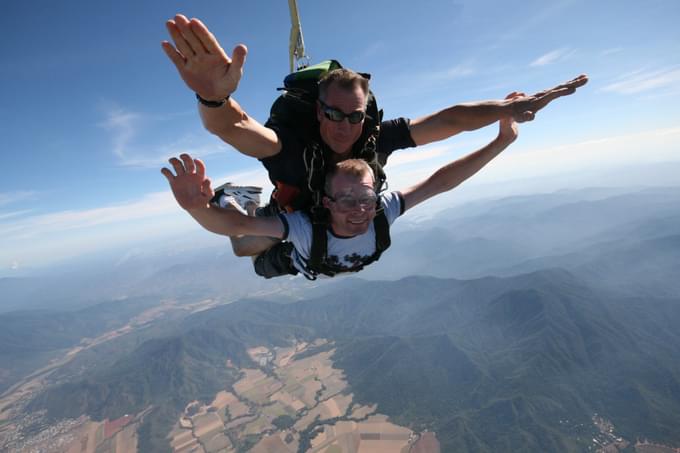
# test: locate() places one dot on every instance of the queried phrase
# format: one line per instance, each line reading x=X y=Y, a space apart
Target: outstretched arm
x=207 y=70
x=472 y=116
x=193 y=191
x=451 y=175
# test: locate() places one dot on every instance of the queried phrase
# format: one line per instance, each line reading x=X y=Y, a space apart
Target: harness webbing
x=296 y=109
x=318 y=256
x=320 y=218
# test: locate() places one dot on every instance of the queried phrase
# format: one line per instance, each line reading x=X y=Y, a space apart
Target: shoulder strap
x=320 y=218
x=382 y=232
x=315 y=166
x=318 y=264
x=369 y=153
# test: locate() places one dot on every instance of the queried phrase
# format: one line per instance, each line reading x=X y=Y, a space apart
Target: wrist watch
x=212 y=104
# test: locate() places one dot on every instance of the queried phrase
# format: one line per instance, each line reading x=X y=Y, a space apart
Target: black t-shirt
x=288 y=165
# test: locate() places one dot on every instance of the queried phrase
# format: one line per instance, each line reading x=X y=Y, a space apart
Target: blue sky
x=91 y=107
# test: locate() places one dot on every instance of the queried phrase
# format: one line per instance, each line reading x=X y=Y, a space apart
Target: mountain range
x=509 y=344
x=489 y=364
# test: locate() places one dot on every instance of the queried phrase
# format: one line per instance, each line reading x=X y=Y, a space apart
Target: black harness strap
x=318 y=258
x=320 y=218
x=369 y=153
x=315 y=164
x=382 y=233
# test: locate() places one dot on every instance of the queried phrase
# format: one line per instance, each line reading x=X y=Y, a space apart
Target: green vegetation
x=165 y=373
x=30 y=339
x=496 y=364
x=283 y=422
x=247 y=443
x=153 y=432
x=493 y=364
x=313 y=350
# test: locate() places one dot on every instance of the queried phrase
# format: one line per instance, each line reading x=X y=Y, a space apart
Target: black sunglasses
x=347 y=202
x=337 y=116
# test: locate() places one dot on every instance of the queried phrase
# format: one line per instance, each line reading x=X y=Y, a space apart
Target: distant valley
x=548 y=323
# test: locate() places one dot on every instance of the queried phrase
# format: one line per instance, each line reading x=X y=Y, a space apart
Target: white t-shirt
x=348 y=253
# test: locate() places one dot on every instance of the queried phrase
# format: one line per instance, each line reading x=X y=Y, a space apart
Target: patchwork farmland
x=294 y=402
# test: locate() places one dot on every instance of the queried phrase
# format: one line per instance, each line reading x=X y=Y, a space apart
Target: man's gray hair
x=345 y=79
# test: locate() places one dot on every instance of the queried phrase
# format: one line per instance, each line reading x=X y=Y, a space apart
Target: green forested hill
x=30 y=338
x=494 y=364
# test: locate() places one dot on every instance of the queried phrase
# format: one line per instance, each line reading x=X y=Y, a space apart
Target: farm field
x=293 y=402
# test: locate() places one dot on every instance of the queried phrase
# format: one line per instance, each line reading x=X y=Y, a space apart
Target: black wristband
x=212 y=104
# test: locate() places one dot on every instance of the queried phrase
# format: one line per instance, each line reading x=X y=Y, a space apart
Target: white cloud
x=552 y=56
x=26 y=227
x=645 y=80
x=8 y=198
x=518 y=163
x=430 y=84
x=33 y=239
x=20 y=225
x=432 y=78
x=9 y=215
x=159 y=155
x=611 y=51
x=373 y=49
x=131 y=143
x=659 y=145
x=37 y=239
x=458 y=71
x=549 y=11
x=123 y=125
x=418 y=155
x=406 y=168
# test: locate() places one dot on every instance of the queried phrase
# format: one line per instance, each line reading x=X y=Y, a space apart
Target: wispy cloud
x=419 y=155
x=123 y=126
x=659 y=145
x=406 y=168
x=35 y=239
x=53 y=223
x=150 y=205
x=552 y=56
x=32 y=239
x=646 y=147
x=527 y=25
x=430 y=83
x=458 y=71
x=645 y=80
x=158 y=155
x=433 y=77
x=611 y=51
x=8 y=198
x=133 y=145
x=9 y=215
x=373 y=49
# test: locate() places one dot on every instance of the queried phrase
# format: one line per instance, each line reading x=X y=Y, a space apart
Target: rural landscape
x=529 y=347
x=531 y=306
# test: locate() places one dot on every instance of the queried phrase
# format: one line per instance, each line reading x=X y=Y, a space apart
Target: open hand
x=201 y=62
x=524 y=108
x=191 y=188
